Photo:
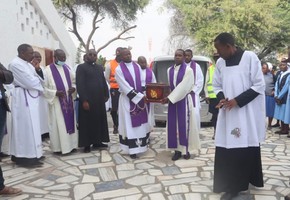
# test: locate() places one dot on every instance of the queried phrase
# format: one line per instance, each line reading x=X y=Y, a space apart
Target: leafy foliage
x=259 y=25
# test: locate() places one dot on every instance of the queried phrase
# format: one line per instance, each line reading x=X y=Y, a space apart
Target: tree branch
x=118 y=37
x=94 y=28
x=74 y=29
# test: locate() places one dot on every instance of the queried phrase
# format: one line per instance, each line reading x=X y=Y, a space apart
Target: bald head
x=59 y=57
x=126 y=55
x=142 y=62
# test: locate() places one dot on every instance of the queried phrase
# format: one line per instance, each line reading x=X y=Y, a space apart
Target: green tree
x=260 y=25
x=121 y=12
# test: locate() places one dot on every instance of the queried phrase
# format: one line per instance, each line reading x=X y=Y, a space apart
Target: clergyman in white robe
x=25 y=139
x=150 y=110
x=198 y=85
x=133 y=139
x=180 y=92
x=60 y=140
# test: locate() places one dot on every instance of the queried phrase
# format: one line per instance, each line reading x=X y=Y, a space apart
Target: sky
x=152 y=28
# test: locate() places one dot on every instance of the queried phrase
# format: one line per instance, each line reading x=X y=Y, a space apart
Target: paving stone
x=141 y=180
x=90 y=179
x=170 y=170
x=110 y=174
x=128 y=173
x=152 y=188
x=110 y=185
x=116 y=193
x=67 y=179
x=83 y=190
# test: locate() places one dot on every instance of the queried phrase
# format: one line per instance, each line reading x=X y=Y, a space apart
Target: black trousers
x=235 y=168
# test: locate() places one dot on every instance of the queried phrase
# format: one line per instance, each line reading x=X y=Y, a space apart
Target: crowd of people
x=70 y=105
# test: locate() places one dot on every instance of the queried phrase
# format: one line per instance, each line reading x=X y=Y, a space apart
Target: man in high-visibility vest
x=114 y=87
x=210 y=96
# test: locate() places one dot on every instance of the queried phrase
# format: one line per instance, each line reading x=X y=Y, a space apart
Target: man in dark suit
x=6 y=77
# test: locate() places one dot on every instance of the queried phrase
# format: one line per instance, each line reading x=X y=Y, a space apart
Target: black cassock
x=92 y=87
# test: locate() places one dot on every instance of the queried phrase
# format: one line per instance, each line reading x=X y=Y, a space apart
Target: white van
x=159 y=67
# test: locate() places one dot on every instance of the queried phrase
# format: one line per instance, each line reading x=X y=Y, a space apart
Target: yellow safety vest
x=211 y=93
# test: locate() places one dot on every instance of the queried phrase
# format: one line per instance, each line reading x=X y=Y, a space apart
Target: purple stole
x=148 y=75
x=177 y=112
x=66 y=103
x=148 y=80
x=137 y=111
x=193 y=67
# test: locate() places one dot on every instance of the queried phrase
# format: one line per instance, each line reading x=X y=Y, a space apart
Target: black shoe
x=228 y=196
x=41 y=158
x=275 y=125
x=101 y=145
x=187 y=156
x=176 y=155
x=133 y=156
x=3 y=155
x=74 y=151
x=87 y=149
x=115 y=131
x=30 y=164
x=287 y=197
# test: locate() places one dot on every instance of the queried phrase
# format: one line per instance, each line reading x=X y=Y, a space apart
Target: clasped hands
x=227 y=104
x=62 y=93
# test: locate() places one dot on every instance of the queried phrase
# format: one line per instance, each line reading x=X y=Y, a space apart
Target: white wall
x=35 y=22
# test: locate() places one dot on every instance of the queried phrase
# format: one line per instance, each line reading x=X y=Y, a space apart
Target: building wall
x=35 y=22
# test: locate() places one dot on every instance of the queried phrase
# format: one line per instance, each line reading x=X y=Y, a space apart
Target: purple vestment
x=66 y=102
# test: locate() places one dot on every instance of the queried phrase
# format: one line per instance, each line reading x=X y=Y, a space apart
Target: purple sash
x=137 y=111
x=148 y=75
x=66 y=103
x=176 y=113
x=193 y=67
x=148 y=80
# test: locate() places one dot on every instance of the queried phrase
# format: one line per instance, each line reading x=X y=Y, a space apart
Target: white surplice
x=125 y=125
x=60 y=140
x=180 y=92
x=198 y=85
x=150 y=111
x=25 y=139
x=249 y=120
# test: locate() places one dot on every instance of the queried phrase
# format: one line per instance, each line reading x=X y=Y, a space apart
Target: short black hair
x=225 y=38
x=188 y=50
x=57 y=52
x=23 y=47
x=181 y=50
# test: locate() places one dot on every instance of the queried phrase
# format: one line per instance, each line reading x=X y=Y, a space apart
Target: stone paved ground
x=109 y=174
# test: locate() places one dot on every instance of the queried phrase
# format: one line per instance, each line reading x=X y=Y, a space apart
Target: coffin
x=155 y=92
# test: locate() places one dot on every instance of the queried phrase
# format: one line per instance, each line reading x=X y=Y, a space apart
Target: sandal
x=10 y=191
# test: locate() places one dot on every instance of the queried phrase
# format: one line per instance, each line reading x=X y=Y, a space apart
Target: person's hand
x=71 y=90
x=165 y=100
x=207 y=100
x=221 y=103
x=35 y=64
x=60 y=94
x=229 y=104
x=145 y=99
x=86 y=105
